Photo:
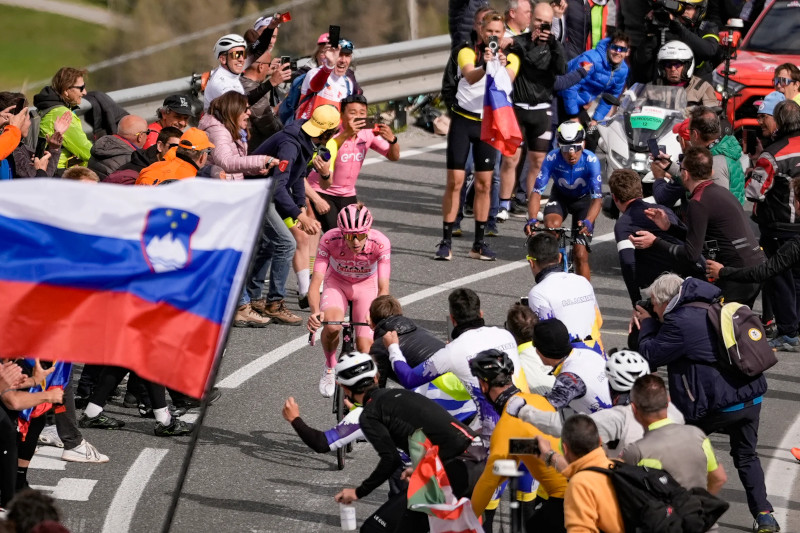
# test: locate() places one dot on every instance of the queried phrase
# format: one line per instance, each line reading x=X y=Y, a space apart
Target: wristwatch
x=549 y=458
x=394 y=141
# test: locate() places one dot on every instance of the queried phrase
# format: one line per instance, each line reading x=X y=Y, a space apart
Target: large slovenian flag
x=499 y=127
x=146 y=278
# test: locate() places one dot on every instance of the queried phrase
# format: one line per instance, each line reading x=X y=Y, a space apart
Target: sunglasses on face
x=238 y=54
x=172 y=145
x=79 y=87
x=782 y=81
x=567 y=148
x=353 y=236
x=618 y=49
x=672 y=64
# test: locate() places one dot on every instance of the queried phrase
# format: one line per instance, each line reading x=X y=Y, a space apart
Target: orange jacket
x=590 y=503
x=9 y=140
x=161 y=171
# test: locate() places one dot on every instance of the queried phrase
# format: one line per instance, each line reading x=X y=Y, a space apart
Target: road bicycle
x=567 y=238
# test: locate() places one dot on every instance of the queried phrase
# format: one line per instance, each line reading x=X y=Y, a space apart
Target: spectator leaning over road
x=769 y=188
x=607 y=74
x=190 y=156
x=681 y=450
x=227 y=125
x=675 y=68
x=64 y=94
x=541 y=59
x=715 y=226
x=174 y=113
x=520 y=322
x=494 y=370
x=581 y=383
x=464 y=136
x=640 y=267
x=296 y=144
x=563 y=295
x=329 y=83
x=22 y=163
x=590 y=501
x=167 y=141
x=263 y=122
x=787 y=81
x=112 y=151
x=677 y=334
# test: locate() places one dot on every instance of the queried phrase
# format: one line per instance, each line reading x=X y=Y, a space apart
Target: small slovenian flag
x=58 y=379
x=145 y=278
x=499 y=127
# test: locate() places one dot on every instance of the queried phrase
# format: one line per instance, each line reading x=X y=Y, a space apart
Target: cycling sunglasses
x=353 y=236
x=618 y=49
x=238 y=54
x=566 y=148
x=782 y=81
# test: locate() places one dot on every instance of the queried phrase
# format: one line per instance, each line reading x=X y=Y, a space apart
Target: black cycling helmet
x=489 y=365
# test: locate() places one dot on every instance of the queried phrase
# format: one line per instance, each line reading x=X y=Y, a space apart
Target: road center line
x=120 y=512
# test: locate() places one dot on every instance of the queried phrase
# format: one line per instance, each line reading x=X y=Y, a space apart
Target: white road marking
x=120 y=512
x=781 y=474
x=48 y=458
x=71 y=489
x=239 y=376
x=406 y=154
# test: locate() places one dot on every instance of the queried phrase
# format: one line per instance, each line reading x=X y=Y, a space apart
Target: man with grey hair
x=675 y=333
x=769 y=187
x=518 y=17
x=112 y=151
x=716 y=226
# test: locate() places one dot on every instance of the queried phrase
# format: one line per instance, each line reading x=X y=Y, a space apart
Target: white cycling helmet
x=355 y=368
x=676 y=51
x=624 y=367
x=228 y=42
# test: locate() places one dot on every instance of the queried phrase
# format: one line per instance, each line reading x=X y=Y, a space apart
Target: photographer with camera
x=676 y=20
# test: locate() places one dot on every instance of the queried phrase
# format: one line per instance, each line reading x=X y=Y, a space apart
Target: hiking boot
x=327 y=384
x=491 y=229
x=785 y=343
x=259 y=305
x=796 y=453
x=49 y=437
x=176 y=428
x=246 y=317
x=100 y=421
x=84 y=453
x=502 y=215
x=765 y=523
x=443 y=252
x=482 y=251
x=302 y=301
x=278 y=312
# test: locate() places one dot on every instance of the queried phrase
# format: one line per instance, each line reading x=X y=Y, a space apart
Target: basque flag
x=499 y=127
x=145 y=278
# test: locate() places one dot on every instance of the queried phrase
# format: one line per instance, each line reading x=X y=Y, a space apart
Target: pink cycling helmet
x=354 y=218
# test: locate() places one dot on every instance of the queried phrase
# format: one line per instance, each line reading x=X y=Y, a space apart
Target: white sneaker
x=49 y=437
x=84 y=453
x=502 y=215
x=327 y=384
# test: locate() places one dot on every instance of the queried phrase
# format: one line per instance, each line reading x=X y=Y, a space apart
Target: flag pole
x=212 y=378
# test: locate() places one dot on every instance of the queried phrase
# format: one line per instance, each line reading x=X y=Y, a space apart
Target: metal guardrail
x=385 y=72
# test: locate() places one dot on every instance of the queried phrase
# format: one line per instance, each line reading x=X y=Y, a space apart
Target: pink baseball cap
x=323 y=39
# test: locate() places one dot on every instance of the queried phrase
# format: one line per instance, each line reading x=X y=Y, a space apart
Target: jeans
x=742 y=429
x=783 y=290
x=279 y=246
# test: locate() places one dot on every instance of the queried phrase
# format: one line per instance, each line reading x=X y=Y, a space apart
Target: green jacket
x=729 y=147
x=76 y=143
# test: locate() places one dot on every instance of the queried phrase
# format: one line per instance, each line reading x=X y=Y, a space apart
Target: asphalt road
x=252 y=474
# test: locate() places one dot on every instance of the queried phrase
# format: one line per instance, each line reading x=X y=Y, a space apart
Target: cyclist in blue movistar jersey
x=577 y=190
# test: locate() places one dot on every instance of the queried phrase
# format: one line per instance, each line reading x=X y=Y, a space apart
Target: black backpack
x=451 y=77
x=651 y=501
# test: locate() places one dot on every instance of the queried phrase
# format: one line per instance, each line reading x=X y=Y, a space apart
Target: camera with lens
x=662 y=9
x=647 y=305
x=494 y=44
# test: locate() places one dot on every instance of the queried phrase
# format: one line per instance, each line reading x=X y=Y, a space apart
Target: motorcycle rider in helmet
x=686 y=24
x=675 y=67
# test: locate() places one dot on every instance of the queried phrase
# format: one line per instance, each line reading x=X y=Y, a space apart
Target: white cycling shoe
x=327 y=383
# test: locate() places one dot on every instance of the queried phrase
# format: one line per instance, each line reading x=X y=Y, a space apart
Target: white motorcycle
x=645 y=112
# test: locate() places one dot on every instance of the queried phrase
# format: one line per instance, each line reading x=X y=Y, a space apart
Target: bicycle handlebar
x=536 y=229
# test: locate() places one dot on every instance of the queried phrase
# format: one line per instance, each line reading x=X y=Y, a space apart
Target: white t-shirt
x=220 y=82
x=569 y=298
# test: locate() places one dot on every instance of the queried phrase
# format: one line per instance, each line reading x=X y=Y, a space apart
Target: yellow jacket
x=590 y=503
x=510 y=427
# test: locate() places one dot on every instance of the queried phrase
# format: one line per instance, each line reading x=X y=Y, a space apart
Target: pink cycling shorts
x=337 y=292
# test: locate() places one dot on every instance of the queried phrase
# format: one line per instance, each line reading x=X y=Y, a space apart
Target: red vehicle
x=774 y=39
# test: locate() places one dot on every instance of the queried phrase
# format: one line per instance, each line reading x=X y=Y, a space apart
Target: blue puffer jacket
x=686 y=344
x=600 y=79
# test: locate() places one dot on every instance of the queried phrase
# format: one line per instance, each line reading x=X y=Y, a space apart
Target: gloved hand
x=514 y=405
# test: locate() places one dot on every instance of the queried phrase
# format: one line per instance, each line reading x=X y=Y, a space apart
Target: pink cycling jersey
x=348 y=163
x=336 y=260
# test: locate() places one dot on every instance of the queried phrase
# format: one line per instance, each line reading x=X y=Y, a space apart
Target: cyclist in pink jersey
x=349 y=149
x=354 y=261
